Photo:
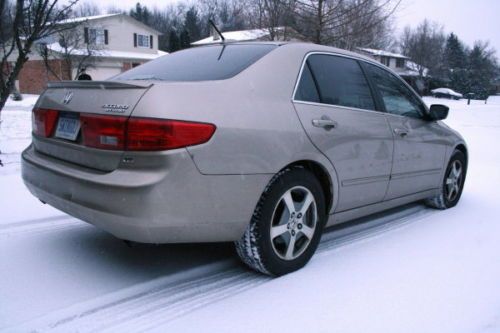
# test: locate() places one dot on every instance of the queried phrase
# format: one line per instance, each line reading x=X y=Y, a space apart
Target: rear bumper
x=168 y=202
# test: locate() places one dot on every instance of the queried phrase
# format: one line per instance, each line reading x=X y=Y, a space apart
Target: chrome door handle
x=325 y=123
x=401 y=132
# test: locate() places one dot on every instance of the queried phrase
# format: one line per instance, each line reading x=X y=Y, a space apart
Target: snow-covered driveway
x=411 y=269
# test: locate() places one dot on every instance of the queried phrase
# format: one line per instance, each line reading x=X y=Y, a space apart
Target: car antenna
x=216 y=29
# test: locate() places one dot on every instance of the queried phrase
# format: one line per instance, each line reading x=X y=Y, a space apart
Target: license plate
x=68 y=127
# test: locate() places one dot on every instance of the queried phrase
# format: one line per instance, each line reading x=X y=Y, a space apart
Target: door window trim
x=373 y=88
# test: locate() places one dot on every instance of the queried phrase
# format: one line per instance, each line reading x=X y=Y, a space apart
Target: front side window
x=397 y=97
x=340 y=81
x=142 y=40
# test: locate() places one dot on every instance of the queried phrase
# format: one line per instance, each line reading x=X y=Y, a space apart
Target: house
x=102 y=46
x=280 y=34
x=496 y=86
x=402 y=65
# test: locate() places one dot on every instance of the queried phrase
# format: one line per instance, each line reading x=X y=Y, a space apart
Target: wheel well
x=462 y=148
x=322 y=175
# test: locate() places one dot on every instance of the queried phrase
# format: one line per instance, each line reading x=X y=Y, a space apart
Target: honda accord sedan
x=261 y=144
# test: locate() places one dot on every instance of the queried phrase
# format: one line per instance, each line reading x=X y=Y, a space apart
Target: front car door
x=337 y=109
x=419 y=148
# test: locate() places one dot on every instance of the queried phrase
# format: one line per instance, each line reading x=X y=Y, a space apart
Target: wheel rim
x=454 y=181
x=293 y=223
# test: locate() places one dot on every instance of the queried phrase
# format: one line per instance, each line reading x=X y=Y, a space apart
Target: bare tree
x=32 y=20
x=75 y=53
x=425 y=46
x=343 y=23
x=87 y=8
x=274 y=15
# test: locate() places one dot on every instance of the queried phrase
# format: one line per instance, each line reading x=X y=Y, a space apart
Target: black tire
x=256 y=248
x=444 y=200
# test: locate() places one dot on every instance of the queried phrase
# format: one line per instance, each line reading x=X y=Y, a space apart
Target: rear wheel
x=453 y=183
x=286 y=225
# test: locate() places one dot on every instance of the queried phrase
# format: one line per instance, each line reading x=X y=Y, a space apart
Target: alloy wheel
x=293 y=223
x=454 y=180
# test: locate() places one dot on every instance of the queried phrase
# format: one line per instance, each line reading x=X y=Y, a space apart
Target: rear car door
x=337 y=109
x=419 y=150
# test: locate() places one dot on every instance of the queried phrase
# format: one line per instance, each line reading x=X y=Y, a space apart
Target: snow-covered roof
x=446 y=91
x=86 y=18
x=382 y=53
x=56 y=47
x=238 y=36
x=412 y=69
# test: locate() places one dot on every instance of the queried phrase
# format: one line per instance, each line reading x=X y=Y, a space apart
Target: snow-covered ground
x=15 y=131
x=411 y=269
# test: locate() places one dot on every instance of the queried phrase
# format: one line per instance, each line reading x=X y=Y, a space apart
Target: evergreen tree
x=192 y=24
x=455 y=64
x=173 y=42
x=185 y=40
x=481 y=70
x=141 y=13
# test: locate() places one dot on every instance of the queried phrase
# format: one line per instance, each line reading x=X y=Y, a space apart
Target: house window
x=400 y=63
x=386 y=61
x=96 y=36
x=142 y=40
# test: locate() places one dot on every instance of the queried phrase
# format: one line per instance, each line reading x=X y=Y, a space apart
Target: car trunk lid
x=69 y=103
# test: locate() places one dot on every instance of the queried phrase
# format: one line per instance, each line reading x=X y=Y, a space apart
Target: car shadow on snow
x=113 y=257
x=110 y=256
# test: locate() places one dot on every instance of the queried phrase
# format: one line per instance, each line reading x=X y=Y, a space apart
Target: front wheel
x=453 y=183
x=286 y=225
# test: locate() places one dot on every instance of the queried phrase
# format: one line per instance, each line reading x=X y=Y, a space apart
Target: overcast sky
x=469 y=19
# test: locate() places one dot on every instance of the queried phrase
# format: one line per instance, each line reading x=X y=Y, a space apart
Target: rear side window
x=307 y=90
x=398 y=98
x=206 y=63
x=340 y=81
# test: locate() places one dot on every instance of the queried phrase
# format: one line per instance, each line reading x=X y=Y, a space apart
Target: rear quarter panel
x=258 y=130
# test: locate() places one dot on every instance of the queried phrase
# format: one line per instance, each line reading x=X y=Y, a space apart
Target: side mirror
x=438 y=112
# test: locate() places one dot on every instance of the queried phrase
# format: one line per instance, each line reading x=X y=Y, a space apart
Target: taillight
x=104 y=132
x=142 y=134
x=44 y=121
x=159 y=134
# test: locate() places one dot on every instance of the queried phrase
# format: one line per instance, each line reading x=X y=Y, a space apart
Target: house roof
x=55 y=47
x=382 y=53
x=84 y=19
x=238 y=36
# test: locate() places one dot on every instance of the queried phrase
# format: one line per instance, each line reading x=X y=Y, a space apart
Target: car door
x=419 y=148
x=337 y=110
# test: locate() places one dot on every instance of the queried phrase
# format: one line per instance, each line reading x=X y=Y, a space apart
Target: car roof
x=305 y=46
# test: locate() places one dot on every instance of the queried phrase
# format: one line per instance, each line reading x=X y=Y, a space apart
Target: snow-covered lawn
x=15 y=131
x=411 y=269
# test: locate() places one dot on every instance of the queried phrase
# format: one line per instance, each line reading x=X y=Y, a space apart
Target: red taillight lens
x=158 y=134
x=104 y=132
x=142 y=134
x=44 y=121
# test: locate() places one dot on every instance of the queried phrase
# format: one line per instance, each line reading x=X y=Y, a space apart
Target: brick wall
x=126 y=66
x=129 y=65
x=34 y=76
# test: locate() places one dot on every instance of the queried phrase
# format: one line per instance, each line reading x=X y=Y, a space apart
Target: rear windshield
x=216 y=62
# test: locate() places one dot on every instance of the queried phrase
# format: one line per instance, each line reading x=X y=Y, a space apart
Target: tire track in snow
x=153 y=303
x=42 y=225
x=369 y=228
